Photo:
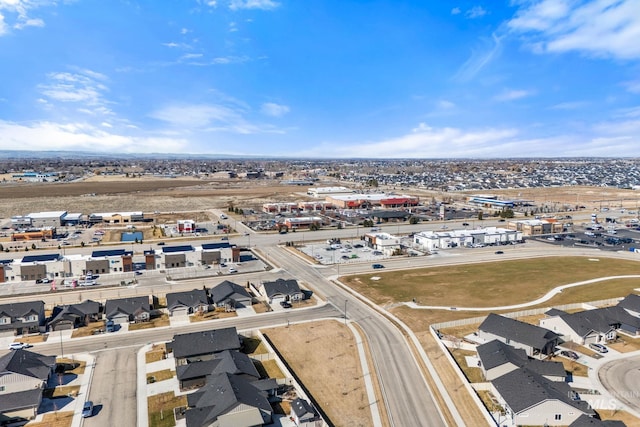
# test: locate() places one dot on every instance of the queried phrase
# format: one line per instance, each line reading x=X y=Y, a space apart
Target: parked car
x=110 y=326
x=570 y=354
x=465 y=224
x=225 y=238
x=19 y=345
x=285 y=304
x=232 y=270
x=376 y=266
x=45 y=280
x=598 y=347
x=499 y=252
x=161 y=243
x=87 y=409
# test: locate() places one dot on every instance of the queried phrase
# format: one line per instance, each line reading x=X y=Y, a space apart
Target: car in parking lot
x=598 y=347
x=465 y=224
x=232 y=270
x=376 y=253
x=161 y=243
x=285 y=304
x=45 y=280
x=19 y=346
x=499 y=252
x=377 y=266
x=570 y=354
x=87 y=409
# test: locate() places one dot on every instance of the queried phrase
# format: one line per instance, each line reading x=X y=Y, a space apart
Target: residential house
x=23 y=375
x=230 y=296
x=125 y=310
x=631 y=303
x=194 y=375
x=586 y=327
x=536 y=341
x=189 y=302
x=498 y=358
x=228 y=401
x=587 y=421
x=304 y=414
x=203 y=345
x=74 y=315
x=20 y=318
x=281 y=290
x=532 y=400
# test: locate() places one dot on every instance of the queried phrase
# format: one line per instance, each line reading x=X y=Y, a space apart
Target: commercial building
x=322 y=192
x=534 y=227
x=433 y=240
x=375 y=200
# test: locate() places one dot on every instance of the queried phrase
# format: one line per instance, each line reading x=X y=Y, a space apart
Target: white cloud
x=601 y=28
x=571 y=105
x=18 y=12
x=74 y=87
x=475 y=12
x=456 y=11
x=445 y=105
x=253 y=4
x=633 y=86
x=45 y=135
x=3 y=25
x=30 y=22
x=512 y=95
x=479 y=59
x=273 y=109
x=177 y=45
x=230 y=60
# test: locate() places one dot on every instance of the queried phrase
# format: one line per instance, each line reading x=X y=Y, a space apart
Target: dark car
x=499 y=252
x=376 y=266
x=465 y=224
x=570 y=354
x=285 y=304
x=161 y=243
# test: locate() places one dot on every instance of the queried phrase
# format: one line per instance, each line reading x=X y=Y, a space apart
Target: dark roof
x=281 y=286
x=111 y=252
x=587 y=421
x=196 y=369
x=128 y=306
x=205 y=342
x=228 y=290
x=221 y=394
x=220 y=245
x=522 y=389
x=172 y=249
x=190 y=298
x=630 y=302
x=496 y=353
x=303 y=409
x=41 y=258
x=515 y=330
x=265 y=384
x=600 y=320
x=27 y=363
x=20 y=400
x=237 y=363
x=555 y=312
x=74 y=311
x=6 y=261
x=20 y=309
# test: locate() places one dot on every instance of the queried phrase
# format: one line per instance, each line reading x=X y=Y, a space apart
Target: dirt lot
x=324 y=356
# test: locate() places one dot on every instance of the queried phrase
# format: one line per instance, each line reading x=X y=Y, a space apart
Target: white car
x=233 y=270
x=18 y=346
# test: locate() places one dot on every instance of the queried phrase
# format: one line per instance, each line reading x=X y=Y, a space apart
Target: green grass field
x=499 y=283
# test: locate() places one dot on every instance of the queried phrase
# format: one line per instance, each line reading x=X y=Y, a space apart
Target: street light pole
x=345 y=312
x=61 y=347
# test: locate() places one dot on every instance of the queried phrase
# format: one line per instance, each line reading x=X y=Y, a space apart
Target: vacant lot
x=491 y=284
x=324 y=356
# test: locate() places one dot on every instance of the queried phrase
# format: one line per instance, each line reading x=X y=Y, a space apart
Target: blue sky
x=322 y=78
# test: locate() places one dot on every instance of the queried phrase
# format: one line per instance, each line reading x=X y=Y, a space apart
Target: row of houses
x=60 y=266
x=29 y=317
x=533 y=391
x=229 y=390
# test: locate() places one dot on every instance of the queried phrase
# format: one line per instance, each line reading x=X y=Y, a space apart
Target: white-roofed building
x=46 y=219
x=321 y=192
x=432 y=240
x=383 y=242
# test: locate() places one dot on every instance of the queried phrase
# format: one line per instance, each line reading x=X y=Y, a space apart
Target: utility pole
x=345 y=312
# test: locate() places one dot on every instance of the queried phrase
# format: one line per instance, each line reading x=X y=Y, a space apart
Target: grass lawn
x=269 y=368
x=156 y=322
x=473 y=374
x=61 y=391
x=56 y=419
x=156 y=353
x=325 y=358
x=252 y=345
x=72 y=366
x=489 y=401
x=165 y=374
x=575 y=368
x=32 y=339
x=161 y=409
x=508 y=282
x=261 y=307
x=625 y=344
x=210 y=315
x=86 y=331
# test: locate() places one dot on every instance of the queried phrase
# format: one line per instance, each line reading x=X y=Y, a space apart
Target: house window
x=558 y=417
x=5 y=320
x=2 y=388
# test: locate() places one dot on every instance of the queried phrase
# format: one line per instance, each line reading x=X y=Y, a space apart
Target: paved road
x=621 y=379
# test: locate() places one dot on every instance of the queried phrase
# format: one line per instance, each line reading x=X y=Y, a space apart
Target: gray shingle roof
x=228 y=290
x=20 y=400
x=205 y=342
x=232 y=362
x=517 y=331
x=522 y=389
x=587 y=421
x=303 y=409
x=196 y=369
x=193 y=298
x=222 y=393
x=631 y=302
x=496 y=353
x=281 y=287
x=128 y=306
x=20 y=309
x=600 y=320
x=27 y=363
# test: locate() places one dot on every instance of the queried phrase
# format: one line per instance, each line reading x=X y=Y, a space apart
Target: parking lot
x=347 y=251
x=605 y=237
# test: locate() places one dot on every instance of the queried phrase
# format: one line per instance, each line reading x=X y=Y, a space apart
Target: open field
x=325 y=358
x=507 y=282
